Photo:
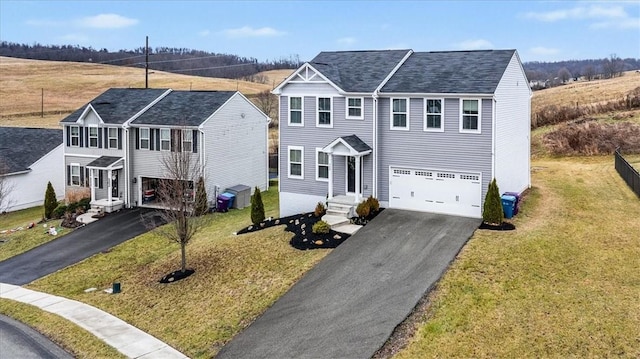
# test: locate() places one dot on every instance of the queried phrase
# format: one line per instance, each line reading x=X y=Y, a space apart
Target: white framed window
x=187 y=140
x=433 y=114
x=355 y=108
x=399 y=114
x=470 y=115
x=295 y=162
x=74 y=134
x=74 y=173
x=296 y=111
x=144 y=138
x=113 y=137
x=322 y=165
x=324 y=112
x=165 y=139
x=93 y=136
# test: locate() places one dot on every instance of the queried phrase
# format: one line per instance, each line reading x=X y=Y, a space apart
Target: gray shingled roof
x=22 y=147
x=104 y=161
x=357 y=71
x=450 y=72
x=117 y=105
x=184 y=108
x=356 y=143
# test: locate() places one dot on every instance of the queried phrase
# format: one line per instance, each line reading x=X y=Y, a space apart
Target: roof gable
x=17 y=149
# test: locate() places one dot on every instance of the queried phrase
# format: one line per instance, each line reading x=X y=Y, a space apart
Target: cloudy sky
x=268 y=30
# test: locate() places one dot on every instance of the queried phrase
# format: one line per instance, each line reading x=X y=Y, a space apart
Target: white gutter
x=493 y=139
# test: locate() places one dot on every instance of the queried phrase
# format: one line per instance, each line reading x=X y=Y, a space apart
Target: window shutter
x=81 y=136
x=195 y=141
x=173 y=141
x=68 y=175
x=152 y=139
x=100 y=179
x=119 y=138
x=157 y=130
x=137 y=131
x=100 y=138
x=67 y=129
x=82 y=169
x=86 y=137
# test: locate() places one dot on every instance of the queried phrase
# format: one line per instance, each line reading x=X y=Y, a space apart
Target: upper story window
x=296 y=165
x=324 y=112
x=93 y=136
x=187 y=140
x=433 y=115
x=295 y=111
x=165 y=139
x=113 y=137
x=399 y=114
x=470 y=115
x=322 y=165
x=75 y=136
x=144 y=138
x=354 y=108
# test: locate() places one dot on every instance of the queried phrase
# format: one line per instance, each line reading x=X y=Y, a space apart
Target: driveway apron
x=74 y=247
x=348 y=305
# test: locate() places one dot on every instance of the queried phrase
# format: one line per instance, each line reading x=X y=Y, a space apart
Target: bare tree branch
x=6 y=187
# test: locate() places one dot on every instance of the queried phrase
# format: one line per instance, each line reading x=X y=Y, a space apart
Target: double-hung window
x=113 y=137
x=74 y=135
x=433 y=115
x=165 y=139
x=295 y=111
x=187 y=140
x=144 y=138
x=324 y=112
x=93 y=136
x=75 y=174
x=399 y=114
x=322 y=165
x=296 y=164
x=354 y=108
x=470 y=115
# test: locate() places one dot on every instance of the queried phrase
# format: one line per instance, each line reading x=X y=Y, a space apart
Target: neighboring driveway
x=18 y=340
x=75 y=246
x=348 y=305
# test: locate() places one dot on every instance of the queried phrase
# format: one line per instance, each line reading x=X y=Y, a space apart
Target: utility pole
x=146 y=64
x=42 y=103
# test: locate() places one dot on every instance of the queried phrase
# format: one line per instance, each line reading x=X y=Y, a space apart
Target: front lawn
x=236 y=279
x=565 y=283
x=14 y=243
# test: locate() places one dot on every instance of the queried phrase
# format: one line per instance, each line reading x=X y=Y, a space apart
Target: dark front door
x=114 y=184
x=351 y=175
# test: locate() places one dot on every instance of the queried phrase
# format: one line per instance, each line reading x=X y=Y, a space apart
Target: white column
x=330 y=193
x=92 y=175
x=109 y=187
x=358 y=189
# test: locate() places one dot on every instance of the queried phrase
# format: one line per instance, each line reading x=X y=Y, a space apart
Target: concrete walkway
x=348 y=305
x=127 y=339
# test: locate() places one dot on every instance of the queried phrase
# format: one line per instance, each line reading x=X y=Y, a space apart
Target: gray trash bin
x=243 y=195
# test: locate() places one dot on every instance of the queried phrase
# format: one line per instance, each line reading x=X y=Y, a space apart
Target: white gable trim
x=339 y=142
x=86 y=111
x=127 y=123
x=393 y=72
x=297 y=77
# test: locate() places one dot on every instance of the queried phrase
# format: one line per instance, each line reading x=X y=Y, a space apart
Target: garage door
x=427 y=190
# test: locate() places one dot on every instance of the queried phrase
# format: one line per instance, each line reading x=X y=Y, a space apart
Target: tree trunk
x=183 y=247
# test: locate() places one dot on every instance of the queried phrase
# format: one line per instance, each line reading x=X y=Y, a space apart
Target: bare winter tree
x=589 y=72
x=564 y=74
x=268 y=103
x=176 y=195
x=613 y=66
x=6 y=187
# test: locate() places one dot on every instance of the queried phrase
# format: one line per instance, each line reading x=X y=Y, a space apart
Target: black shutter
x=82 y=169
x=119 y=138
x=100 y=138
x=68 y=175
x=67 y=129
x=173 y=141
x=100 y=179
x=137 y=131
x=81 y=136
x=195 y=141
x=152 y=139
x=86 y=137
x=157 y=139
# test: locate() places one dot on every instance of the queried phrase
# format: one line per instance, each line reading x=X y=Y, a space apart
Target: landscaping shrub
x=71 y=207
x=59 y=211
x=363 y=209
x=257 y=207
x=50 y=201
x=320 y=210
x=321 y=227
x=492 y=211
x=201 y=205
x=374 y=204
x=592 y=138
x=85 y=204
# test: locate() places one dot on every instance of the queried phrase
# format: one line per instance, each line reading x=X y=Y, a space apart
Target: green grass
x=72 y=338
x=566 y=283
x=24 y=240
x=236 y=279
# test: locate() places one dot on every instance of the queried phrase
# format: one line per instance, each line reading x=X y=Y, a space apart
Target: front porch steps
x=339 y=209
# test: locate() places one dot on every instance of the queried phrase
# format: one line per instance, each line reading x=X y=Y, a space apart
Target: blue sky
x=267 y=30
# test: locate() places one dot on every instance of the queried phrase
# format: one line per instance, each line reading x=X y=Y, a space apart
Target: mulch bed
x=176 y=276
x=505 y=226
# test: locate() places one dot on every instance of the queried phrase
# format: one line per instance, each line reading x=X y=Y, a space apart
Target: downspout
x=267 y=150
x=493 y=139
x=127 y=157
x=374 y=190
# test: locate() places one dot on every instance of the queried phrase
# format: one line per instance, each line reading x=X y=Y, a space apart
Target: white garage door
x=448 y=192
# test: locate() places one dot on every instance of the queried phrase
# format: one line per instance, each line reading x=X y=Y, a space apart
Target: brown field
x=275 y=77
x=585 y=92
x=68 y=85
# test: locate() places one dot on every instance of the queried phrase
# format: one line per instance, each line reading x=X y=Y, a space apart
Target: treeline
x=546 y=74
x=176 y=60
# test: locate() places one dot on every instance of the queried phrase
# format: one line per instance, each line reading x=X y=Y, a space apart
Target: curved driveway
x=76 y=246
x=348 y=305
x=21 y=341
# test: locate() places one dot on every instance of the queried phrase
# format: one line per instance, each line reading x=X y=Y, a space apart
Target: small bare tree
x=176 y=195
x=6 y=187
x=589 y=72
x=268 y=103
x=564 y=74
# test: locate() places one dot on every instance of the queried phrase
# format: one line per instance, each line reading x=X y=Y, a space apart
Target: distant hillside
x=589 y=69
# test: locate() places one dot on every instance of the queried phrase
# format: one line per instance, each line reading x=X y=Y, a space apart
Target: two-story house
x=424 y=131
x=115 y=144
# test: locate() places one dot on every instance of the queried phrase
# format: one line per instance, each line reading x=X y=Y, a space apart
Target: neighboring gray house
x=423 y=131
x=29 y=159
x=115 y=144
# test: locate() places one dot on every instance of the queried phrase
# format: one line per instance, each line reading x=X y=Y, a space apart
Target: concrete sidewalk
x=127 y=339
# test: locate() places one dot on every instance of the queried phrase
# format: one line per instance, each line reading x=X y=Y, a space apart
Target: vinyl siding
x=448 y=150
x=310 y=88
x=83 y=162
x=103 y=150
x=513 y=130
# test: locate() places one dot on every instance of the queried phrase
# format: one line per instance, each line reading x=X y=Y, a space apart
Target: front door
x=351 y=175
x=114 y=184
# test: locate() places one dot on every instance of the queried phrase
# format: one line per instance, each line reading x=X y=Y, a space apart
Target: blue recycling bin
x=232 y=198
x=222 y=203
x=517 y=196
x=508 y=205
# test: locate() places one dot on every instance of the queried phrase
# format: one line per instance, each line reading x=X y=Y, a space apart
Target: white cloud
x=346 y=41
x=106 y=21
x=543 y=51
x=204 y=33
x=580 y=13
x=248 y=31
x=474 y=44
x=622 y=24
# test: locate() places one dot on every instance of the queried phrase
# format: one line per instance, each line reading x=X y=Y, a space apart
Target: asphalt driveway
x=75 y=246
x=348 y=305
